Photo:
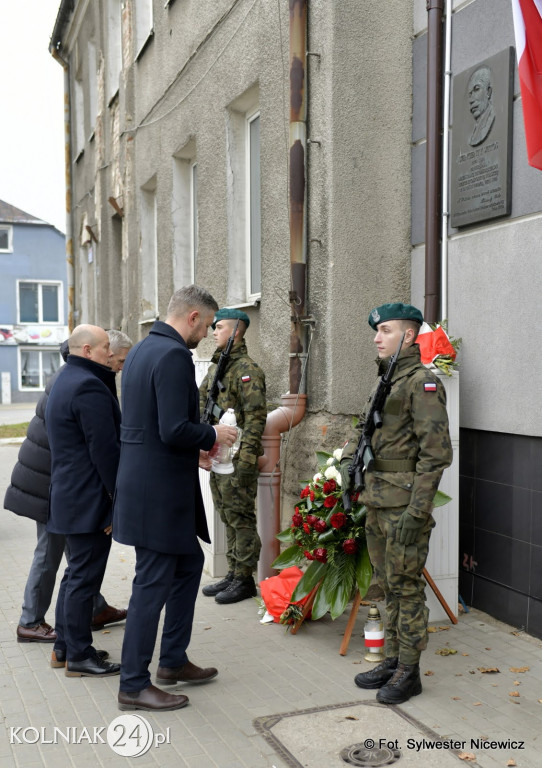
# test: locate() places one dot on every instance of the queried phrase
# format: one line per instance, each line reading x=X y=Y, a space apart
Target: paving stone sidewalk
x=300 y=680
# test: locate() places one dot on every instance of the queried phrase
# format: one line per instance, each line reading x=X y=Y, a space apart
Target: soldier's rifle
x=212 y=409
x=363 y=457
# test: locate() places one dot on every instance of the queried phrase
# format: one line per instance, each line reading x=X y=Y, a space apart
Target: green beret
x=230 y=314
x=396 y=311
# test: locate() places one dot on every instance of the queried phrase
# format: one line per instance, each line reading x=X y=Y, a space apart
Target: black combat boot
x=210 y=590
x=238 y=589
x=376 y=677
x=404 y=684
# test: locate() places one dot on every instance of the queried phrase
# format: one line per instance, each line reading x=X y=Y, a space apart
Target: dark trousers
x=40 y=584
x=160 y=579
x=81 y=581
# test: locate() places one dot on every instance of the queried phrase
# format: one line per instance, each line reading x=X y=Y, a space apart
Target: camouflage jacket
x=244 y=391
x=415 y=429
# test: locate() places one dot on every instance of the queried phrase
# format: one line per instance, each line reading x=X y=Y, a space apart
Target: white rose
x=318 y=476
x=330 y=473
x=337 y=453
x=330 y=461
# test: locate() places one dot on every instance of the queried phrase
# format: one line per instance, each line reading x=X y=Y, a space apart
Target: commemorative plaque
x=481 y=161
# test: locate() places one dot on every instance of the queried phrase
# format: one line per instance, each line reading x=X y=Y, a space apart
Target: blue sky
x=32 y=175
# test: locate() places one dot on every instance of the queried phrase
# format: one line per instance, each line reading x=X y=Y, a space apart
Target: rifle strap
x=394 y=465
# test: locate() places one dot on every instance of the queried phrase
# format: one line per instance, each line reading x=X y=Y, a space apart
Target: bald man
x=83 y=424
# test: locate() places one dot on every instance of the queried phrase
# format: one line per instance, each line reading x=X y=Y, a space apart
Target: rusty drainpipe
x=433 y=154
x=293 y=405
x=67 y=160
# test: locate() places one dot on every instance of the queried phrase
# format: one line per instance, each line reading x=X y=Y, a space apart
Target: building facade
x=180 y=133
x=33 y=302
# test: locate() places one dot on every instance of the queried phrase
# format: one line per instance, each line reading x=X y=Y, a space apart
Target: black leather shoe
x=210 y=590
x=404 y=684
x=188 y=673
x=378 y=676
x=91 y=667
x=239 y=589
x=58 y=658
x=151 y=699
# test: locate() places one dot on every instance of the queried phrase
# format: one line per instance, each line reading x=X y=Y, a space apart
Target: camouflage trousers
x=398 y=571
x=236 y=507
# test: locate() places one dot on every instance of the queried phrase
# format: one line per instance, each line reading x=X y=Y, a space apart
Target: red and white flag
x=528 y=31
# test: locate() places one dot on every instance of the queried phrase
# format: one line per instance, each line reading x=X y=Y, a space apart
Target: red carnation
x=305 y=492
x=311 y=519
x=350 y=546
x=330 y=486
x=311 y=495
x=320 y=554
x=306 y=528
x=297 y=520
x=330 y=502
x=308 y=555
x=338 y=519
x=320 y=525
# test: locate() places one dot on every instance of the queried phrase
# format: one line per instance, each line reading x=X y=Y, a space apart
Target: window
x=114 y=47
x=39 y=302
x=254 y=228
x=36 y=366
x=6 y=239
x=143 y=24
x=149 y=252
x=184 y=214
x=244 y=199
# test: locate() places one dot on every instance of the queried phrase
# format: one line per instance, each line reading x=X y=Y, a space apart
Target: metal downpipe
x=433 y=170
x=293 y=406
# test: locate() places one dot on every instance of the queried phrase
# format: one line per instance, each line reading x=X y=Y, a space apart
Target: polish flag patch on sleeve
x=430 y=386
x=245 y=379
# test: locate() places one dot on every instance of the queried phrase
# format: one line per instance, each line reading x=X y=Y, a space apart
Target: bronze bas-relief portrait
x=479 y=90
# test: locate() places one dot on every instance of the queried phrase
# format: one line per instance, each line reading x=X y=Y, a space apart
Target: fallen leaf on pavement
x=488 y=670
x=437 y=629
x=511 y=762
x=519 y=669
x=467 y=756
x=445 y=651
x=429 y=673
x=514 y=693
x=477 y=704
x=351 y=717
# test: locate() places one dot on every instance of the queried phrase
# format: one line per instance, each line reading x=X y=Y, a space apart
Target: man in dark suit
x=158 y=503
x=82 y=417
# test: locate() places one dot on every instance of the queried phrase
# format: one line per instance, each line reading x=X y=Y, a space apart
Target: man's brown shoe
x=44 y=633
x=109 y=615
x=188 y=673
x=151 y=699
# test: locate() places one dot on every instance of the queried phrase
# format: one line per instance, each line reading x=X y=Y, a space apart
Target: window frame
x=250 y=117
x=40 y=320
x=39 y=349
x=9 y=229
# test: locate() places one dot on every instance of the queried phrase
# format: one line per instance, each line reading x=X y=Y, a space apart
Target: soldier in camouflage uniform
x=411 y=449
x=234 y=495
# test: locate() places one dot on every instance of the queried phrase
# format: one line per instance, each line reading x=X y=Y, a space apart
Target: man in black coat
x=28 y=496
x=83 y=425
x=158 y=503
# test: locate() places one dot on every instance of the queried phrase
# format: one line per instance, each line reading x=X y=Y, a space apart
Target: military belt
x=394 y=465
